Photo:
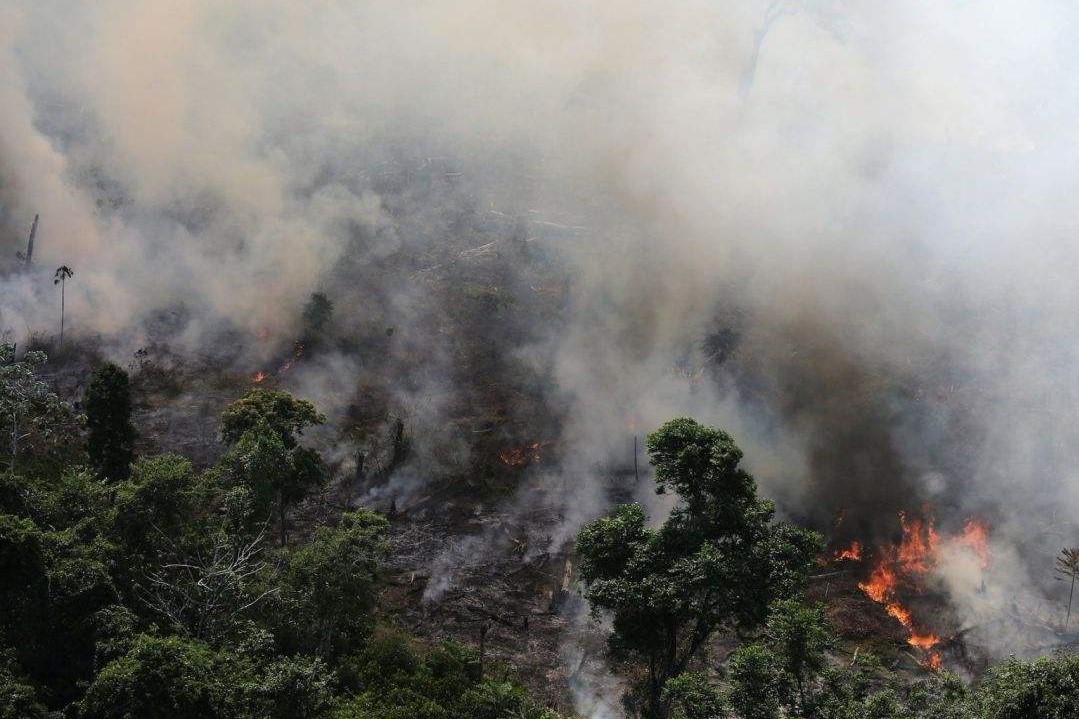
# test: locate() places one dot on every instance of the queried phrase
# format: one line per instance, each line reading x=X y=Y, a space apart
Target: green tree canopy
x=285 y=415
x=111 y=441
x=330 y=585
x=717 y=563
x=160 y=678
x=32 y=416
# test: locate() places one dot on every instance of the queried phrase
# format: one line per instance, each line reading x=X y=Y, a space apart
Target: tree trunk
x=281 y=516
x=63 y=289
x=1071 y=595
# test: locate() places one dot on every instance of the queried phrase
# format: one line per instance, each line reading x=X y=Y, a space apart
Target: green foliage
x=282 y=413
x=262 y=428
x=23 y=579
x=160 y=678
x=1047 y=688
x=291 y=688
x=19 y=699
x=692 y=695
x=154 y=595
x=330 y=585
x=110 y=443
x=271 y=472
x=153 y=508
x=717 y=563
x=392 y=678
x=754 y=687
x=33 y=419
x=316 y=313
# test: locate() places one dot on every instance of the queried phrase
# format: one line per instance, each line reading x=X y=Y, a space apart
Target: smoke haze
x=843 y=231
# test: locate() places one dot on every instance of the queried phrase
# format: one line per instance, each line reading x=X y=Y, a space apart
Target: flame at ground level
x=852 y=552
x=916 y=554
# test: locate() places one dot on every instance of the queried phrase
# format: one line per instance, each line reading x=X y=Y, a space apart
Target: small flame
x=975 y=538
x=519 y=455
x=259 y=376
x=926 y=640
x=852 y=553
x=881 y=583
x=901 y=614
x=917 y=551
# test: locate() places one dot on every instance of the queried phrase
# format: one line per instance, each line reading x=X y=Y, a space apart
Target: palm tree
x=1067 y=566
x=63 y=272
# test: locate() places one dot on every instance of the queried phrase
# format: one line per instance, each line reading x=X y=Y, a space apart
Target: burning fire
x=975 y=539
x=297 y=350
x=852 y=553
x=519 y=455
x=917 y=553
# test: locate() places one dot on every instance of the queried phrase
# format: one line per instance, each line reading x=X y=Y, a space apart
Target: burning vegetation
x=903 y=570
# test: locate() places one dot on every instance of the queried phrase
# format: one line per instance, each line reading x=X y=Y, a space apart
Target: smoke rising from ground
x=841 y=230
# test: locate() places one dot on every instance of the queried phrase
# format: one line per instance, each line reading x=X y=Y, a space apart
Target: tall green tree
x=316 y=313
x=263 y=429
x=285 y=415
x=331 y=585
x=160 y=678
x=717 y=563
x=111 y=441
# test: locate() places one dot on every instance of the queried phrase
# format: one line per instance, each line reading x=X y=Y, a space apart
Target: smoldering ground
x=842 y=231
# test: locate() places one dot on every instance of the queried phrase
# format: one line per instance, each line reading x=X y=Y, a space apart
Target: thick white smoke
x=874 y=197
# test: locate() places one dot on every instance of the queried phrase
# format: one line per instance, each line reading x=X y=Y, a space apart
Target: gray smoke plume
x=841 y=230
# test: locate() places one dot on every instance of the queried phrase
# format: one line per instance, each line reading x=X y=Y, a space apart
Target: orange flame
x=975 y=538
x=926 y=640
x=881 y=583
x=917 y=553
x=521 y=454
x=853 y=552
x=918 y=549
x=258 y=376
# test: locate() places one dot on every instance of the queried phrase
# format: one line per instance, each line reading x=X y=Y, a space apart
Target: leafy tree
x=30 y=413
x=316 y=313
x=285 y=415
x=800 y=637
x=19 y=699
x=692 y=695
x=393 y=678
x=153 y=508
x=291 y=688
x=1045 y=688
x=263 y=428
x=717 y=563
x=23 y=581
x=273 y=473
x=160 y=678
x=330 y=585
x=754 y=687
x=111 y=441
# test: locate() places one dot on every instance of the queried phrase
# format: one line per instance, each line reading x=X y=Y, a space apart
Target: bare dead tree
x=205 y=595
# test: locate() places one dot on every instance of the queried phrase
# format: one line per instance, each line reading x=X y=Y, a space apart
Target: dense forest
x=137 y=587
